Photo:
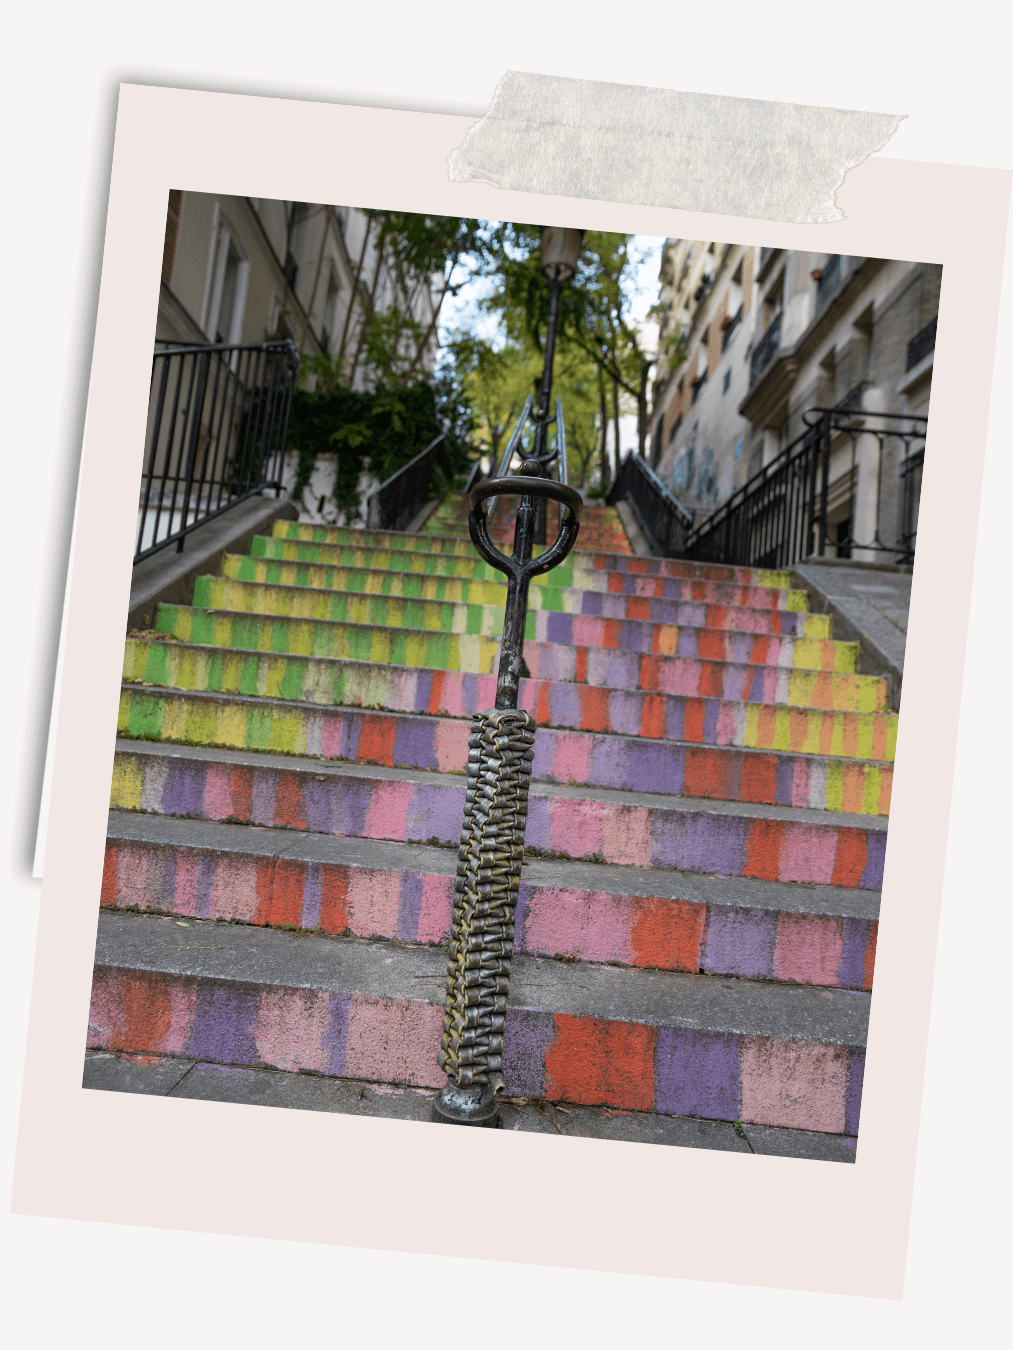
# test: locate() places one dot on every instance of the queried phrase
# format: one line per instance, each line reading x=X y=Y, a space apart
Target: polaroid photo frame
x=384 y=1183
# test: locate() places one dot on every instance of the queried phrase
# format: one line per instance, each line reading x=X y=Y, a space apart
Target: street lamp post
x=500 y=752
x=560 y=252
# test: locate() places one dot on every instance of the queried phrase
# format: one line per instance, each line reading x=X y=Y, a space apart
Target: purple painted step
x=772 y=843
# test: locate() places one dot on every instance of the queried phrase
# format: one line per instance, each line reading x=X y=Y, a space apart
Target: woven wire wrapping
x=500 y=751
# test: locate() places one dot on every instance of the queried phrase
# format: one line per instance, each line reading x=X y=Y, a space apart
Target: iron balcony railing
x=921 y=344
x=664 y=520
x=779 y=517
x=398 y=500
x=217 y=423
x=765 y=349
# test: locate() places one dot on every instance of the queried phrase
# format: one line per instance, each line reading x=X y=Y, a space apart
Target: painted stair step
x=164 y=1076
x=330 y=682
x=566 y=600
x=597 y=667
x=701 y=659
x=339 y=567
x=601 y=560
x=771 y=843
x=686 y=1045
x=655 y=634
x=756 y=930
x=406 y=741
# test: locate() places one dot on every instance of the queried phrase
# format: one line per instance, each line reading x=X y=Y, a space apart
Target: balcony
x=697 y=385
x=921 y=344
x=765 y=349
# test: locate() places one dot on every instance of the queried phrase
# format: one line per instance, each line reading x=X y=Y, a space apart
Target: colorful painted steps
x=701 y=948
x=338 y=567
x=771 y=843
x=330 y=682
x=566 y=600
x=653 y=631
x=671 y=672
x=683 y=1045
x=407 y=741
x=786 y=680
x=822 y=936
x=461 y=546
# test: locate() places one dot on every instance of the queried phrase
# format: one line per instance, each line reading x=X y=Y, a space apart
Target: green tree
x=594 y=312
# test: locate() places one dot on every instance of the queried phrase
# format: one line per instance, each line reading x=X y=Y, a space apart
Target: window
x=728 y=380
x=229 y=279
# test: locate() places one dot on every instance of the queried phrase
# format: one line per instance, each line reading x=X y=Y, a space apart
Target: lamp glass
x=560 y=252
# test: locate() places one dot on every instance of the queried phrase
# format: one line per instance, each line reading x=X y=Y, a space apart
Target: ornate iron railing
x=921 y=344
x=399 y=499
x=664 y=520
x=779 y=517
x=763 y=352
x=501 y=749
x=217 y=423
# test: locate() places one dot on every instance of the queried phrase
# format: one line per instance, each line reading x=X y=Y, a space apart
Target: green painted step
x=487 y=619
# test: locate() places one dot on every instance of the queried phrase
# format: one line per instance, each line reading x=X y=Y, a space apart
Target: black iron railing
x=397 y=501
x=763 y=353
x=921 y=344
x=664 y=520
x=830 y=279
x=217 y=423
x=779 y=517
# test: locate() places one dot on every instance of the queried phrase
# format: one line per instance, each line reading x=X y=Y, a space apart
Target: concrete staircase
x=697 y=919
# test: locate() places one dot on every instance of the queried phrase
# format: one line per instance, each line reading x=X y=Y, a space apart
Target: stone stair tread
x=489 y=618
x=484 y=651
x=560 y=705
x=618 y=797
x=188 y=1080
x=236 y=953
x=258 y=701
x=267 y=841
x=461 y=543
x=581 y=579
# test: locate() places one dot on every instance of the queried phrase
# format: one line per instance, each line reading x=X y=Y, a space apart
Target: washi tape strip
x=660 y=147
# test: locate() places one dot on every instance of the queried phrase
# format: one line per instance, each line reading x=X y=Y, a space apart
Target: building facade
x=754 y=337
x=250 y=269
x=243 y=270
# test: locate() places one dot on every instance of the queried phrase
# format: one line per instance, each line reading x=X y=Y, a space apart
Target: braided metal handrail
x=500 y=752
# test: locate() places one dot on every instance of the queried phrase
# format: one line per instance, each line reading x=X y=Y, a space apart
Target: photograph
x=511 y=676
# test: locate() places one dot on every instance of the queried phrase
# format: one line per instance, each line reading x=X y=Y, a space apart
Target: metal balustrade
x=217 y=424
x=664 y=520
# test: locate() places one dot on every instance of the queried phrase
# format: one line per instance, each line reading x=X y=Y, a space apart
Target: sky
x=462 y=310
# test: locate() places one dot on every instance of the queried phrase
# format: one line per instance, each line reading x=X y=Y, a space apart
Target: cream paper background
x=586 y=1203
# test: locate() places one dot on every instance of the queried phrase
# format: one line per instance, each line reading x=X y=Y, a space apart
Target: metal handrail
x=779 y=516
x=404 y=493
x=216 y=435
x=503 y=468
x=663 y=519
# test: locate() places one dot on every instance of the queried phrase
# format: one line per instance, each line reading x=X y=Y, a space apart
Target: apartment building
x=245 y=269
x=752 y=337
x=697 y=435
